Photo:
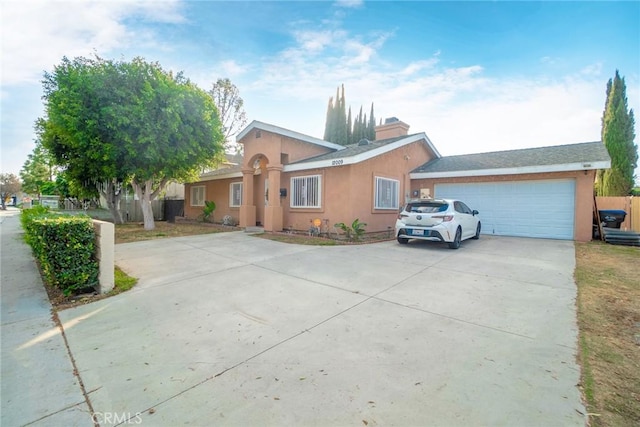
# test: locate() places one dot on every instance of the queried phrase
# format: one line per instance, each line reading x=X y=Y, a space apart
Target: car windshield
x=427 y=207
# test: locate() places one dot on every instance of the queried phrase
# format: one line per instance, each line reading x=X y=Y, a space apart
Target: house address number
x=337 y=162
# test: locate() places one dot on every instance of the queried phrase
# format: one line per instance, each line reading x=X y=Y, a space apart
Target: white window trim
x=232 y=192
x=293 y=197
x=204 y=195
x=396 y=201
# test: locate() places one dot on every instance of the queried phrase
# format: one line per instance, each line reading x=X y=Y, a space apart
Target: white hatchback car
x=440 y=220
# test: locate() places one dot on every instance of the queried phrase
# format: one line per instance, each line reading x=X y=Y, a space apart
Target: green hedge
x=64 y=246
x=27 y=217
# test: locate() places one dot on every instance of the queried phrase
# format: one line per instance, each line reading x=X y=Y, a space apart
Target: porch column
x=273 y=211
x=247 y=208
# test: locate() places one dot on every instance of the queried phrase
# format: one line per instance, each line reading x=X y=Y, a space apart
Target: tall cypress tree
x=336 y=116
x=371 y=131
x=344 y=129
x=349 y=129
x=358 y=134
x=341 y=122
x=618 y=136
x=328 y=121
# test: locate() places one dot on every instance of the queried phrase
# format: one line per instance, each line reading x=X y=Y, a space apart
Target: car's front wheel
x=456 y=240
x=403 y=240
x=477 y=236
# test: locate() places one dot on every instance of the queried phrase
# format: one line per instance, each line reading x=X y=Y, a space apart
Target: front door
x=261 y=184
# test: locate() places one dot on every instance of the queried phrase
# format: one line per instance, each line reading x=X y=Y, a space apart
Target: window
x=427 y=207
x=305 y=191
x=462 y=208
x=387 y=191
x=235 y=194
x=197 y=195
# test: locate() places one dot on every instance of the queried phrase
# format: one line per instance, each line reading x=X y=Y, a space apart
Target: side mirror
x=475 y=212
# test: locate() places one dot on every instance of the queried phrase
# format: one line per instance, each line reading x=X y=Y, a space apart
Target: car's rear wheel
x=456 y=240
x=403 y=240
x=477 y=236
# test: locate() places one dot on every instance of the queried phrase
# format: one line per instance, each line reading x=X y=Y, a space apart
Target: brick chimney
x=391 y=128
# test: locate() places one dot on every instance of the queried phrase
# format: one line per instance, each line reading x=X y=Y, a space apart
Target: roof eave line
x=565 y=167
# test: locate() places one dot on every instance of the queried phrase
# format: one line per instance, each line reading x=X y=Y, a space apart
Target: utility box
x=172 y=209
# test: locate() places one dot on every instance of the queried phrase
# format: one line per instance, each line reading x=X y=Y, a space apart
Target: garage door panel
x=543 y=209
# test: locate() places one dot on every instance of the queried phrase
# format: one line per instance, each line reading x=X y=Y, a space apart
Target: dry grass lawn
x=608 y=279
x=134 y=232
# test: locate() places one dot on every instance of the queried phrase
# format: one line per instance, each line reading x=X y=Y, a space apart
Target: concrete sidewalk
x=38 y=385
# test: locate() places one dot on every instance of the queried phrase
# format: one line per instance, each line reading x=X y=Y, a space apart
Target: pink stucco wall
x=348 y=190
x=218 y=191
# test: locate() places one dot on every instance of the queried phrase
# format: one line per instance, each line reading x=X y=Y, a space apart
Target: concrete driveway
x=230 y=329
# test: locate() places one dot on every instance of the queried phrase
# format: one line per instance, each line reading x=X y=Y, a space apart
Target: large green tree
x=109 y=123
x=618 y=136
x=38 y=171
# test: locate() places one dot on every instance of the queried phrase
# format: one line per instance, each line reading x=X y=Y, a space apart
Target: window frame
x=192 y=198
x=232 y=193
x=294 y=197
x=376 y=196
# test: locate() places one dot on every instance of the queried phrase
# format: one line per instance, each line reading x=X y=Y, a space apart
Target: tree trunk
x=147 y=211
x=143 y=191
x=112 y=195
x=146 y=194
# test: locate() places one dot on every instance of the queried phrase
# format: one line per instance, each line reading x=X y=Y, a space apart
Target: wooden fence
x=629 y=204
x=130 y=209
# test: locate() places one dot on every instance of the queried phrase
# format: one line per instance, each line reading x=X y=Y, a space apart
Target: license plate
x=417 y=232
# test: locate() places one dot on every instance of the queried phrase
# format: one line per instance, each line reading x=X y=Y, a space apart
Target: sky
x=474 y=76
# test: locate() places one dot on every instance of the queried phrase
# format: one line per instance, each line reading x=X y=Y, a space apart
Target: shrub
x=207 y=211
x=28 y=215
x=65 y=248
x=353 y=232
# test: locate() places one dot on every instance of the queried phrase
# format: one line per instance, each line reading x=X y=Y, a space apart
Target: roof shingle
x=587 y=152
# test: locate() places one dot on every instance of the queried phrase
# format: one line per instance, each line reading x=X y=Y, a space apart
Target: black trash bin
x=612 y=218
x=172 y=209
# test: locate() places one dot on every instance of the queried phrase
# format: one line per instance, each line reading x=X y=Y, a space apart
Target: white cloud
x=417 y=66
x=350 y=4
x=231 y=68
x=546 y=113
x=36 y=34
x=592 y=70
x=463 y=109
x=311 y=42
x=548 y=60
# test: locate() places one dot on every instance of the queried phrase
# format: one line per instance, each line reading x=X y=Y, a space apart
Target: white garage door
x=543 y=209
